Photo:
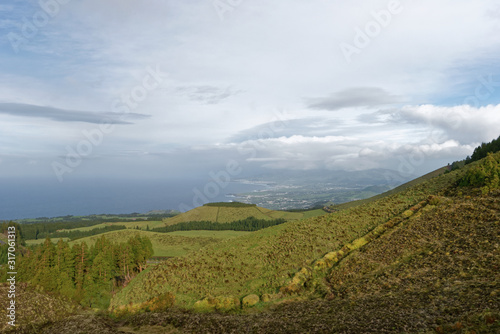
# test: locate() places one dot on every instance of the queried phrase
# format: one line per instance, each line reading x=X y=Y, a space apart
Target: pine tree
x=81 y=258
x=142 y=249
x=125 y=259
x=65 y=265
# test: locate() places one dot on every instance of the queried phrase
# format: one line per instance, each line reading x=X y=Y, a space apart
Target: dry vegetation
x=30 y=302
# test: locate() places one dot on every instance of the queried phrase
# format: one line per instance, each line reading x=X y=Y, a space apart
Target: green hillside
x=424 y=259
x=33 y=242
x=164 y=244
x=226 y=214
x=264 y=261
x=435 y=269
x=396 y=190
x=143 y=225
x=215 y=212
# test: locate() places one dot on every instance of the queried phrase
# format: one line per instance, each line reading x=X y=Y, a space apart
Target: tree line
x=42 y=227
x=42 y=230
x=89 y=275
x=479 y=153
x=231 y=204
x=4 y=246
x=77 y=234
x=482 y=150
x=247 y=224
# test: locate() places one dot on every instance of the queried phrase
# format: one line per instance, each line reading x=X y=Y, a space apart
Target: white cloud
x=236 y=73
x=463 y=123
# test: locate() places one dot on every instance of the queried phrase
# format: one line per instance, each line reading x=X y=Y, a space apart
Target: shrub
x=485 y=175
x=161 y=303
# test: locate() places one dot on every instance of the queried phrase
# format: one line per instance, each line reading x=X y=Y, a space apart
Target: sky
x=172 y=89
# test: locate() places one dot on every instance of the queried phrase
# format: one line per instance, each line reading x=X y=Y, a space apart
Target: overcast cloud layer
x=169 y=89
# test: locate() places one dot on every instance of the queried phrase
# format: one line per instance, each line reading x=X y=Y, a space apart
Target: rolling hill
x=263 y=262
x=164 y=244
x=396 y=190
x=425 y=247
x=213 y=212
x=422 y=259
x=143 y=225
x=225 y=213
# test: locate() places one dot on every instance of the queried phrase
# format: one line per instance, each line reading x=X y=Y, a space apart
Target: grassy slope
x=264 y=261
x=229 y=214
x=313 y=213
x=444 y=261
x=216 y=214
x=190 y=234
x=209 y=234
x=128 y=224
x=437 y=272
x=396 y=190
x=142 y=224
x=87 y=228
x=41 y=241
x=163 y=244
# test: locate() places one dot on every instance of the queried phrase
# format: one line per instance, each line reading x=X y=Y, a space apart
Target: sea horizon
x=34 y=198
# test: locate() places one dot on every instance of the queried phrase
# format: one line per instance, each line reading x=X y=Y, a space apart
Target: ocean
x=33 y=198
